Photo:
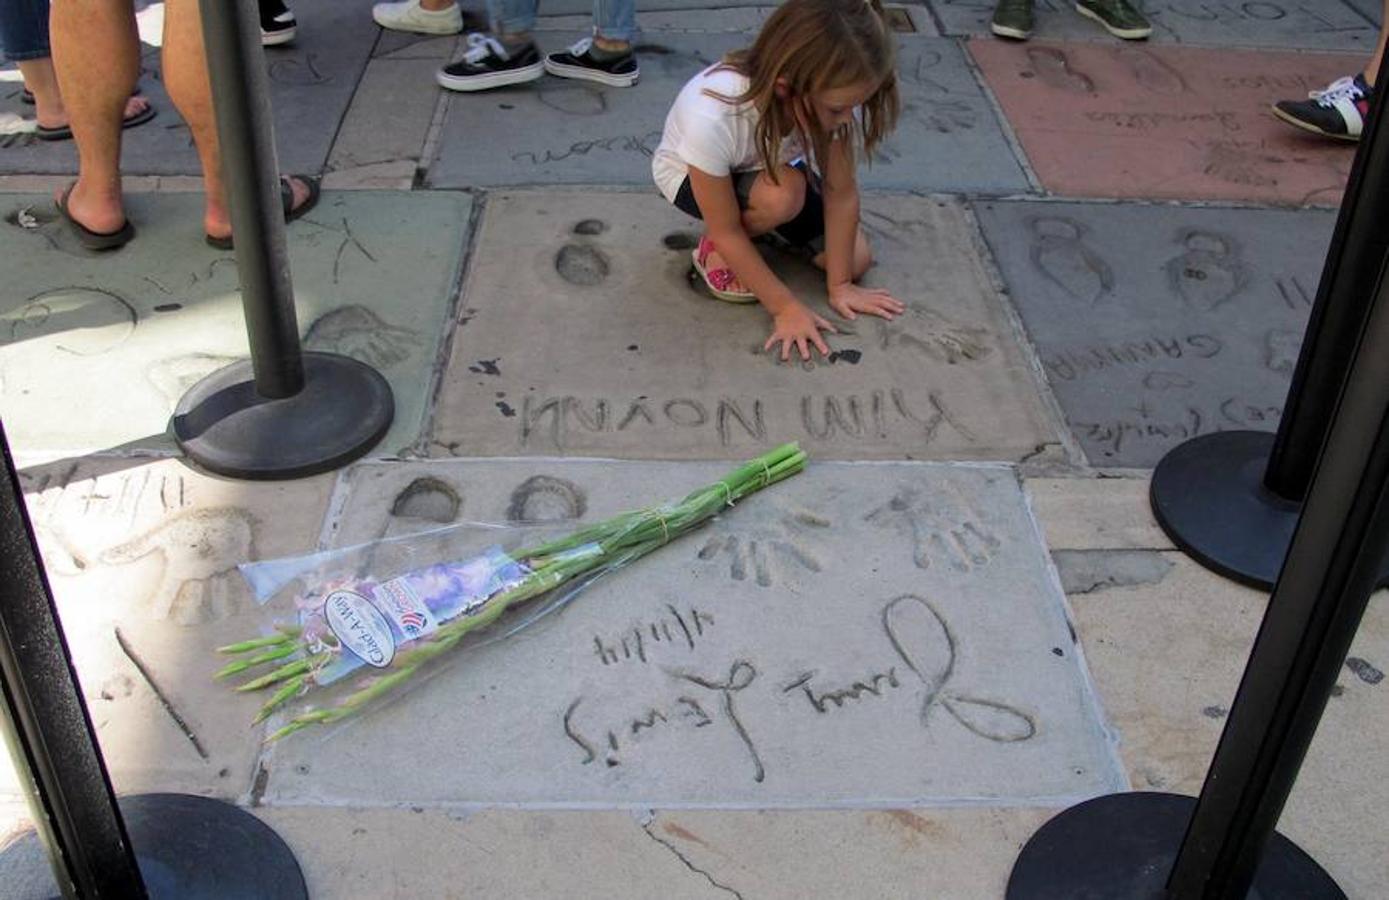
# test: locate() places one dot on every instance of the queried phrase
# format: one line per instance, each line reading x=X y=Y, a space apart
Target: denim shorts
x=806 y=230
x=24 y=30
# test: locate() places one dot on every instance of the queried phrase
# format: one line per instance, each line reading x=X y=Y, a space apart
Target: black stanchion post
x=284 y=413
x=49 y=733
x=87 y=844
x=1128 y=844
x=1230 y=499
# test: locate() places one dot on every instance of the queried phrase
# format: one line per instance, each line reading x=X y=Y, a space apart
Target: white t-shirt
x=711 y=135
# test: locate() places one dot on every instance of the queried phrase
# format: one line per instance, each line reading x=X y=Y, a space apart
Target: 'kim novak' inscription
x=875 y=415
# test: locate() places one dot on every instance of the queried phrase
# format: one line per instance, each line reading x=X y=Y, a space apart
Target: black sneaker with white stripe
x=579 y=61
x=1338 y=112
x=488 y=64
x=277 y=24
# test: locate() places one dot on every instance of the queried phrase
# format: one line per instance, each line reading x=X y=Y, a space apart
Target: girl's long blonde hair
x=814 y=46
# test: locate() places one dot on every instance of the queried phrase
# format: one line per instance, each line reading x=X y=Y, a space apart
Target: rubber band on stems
x=727 y=492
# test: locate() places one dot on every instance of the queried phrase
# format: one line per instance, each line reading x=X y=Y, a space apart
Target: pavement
x=876 y=679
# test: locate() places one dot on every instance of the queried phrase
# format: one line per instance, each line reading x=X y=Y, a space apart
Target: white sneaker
x=410 y=16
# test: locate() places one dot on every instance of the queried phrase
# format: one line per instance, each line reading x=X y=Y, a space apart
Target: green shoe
x=1013 y=19
x=1118 y=18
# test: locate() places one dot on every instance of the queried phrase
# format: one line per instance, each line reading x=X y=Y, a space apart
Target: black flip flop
x=94 y=240
x=292 y=212
x=64 y=132
x=27 y=97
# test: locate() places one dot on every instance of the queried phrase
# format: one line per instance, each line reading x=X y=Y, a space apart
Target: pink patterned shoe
x=720 y=280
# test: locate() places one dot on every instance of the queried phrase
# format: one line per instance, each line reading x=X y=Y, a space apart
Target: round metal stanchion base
x=1123 y=846
x=226 y=427
x=1208 y=494
x=188 y=848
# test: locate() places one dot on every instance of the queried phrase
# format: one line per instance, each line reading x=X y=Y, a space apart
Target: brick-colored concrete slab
x=122 y=336
x=1167 y=657
x=580 y=334
x=1166 y=122
x=948 y=139
x=311 y=83
x=1302 y=24
x=1158 y=323
x=959 y=584
x=142 y=558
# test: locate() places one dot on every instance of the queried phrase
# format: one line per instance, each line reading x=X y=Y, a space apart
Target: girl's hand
x=798 y=325
x=849 y=300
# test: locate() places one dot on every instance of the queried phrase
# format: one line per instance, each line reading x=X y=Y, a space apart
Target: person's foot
x=1012 y=19
x=489 y=64
x=409 y=15
x=718 y=277
x=98 y=212
x=589 y=62
x=302 y=196
x=53 y=126
x=1117 y=16
x=1338 y=112
x=277 y=23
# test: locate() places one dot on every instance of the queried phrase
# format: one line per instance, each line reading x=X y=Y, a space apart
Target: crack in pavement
x=646 y=826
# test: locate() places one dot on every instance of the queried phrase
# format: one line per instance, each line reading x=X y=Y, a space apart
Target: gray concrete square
x=95 y=351
x=553 y=131
x=311 y=83
x=1299 y=24
x=952 y=678
x=581 y=333
x=1156 y=323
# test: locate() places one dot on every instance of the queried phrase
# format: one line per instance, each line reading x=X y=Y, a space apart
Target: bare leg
x=186 y=78
x=42 y=81
x=1372 y=68
x=863 y=256
x=769 y=205
x=96 y=54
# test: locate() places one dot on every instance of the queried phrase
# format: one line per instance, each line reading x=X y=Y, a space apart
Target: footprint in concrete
x=1281 y=348
x=358 y=332
x=1053 y=68
x=590 y=227
x=582 y=265
x=1210 y=272
x=1061 y=255
x=545 y=498
x=1245 y=163
x=1150 y=71
x=77 y=321
x=576 y=101
x=428 y=498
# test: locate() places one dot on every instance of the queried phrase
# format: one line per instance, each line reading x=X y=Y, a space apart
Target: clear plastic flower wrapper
x=369 y=619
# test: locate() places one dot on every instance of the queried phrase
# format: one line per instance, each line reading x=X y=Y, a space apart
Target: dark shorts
x=806 y=230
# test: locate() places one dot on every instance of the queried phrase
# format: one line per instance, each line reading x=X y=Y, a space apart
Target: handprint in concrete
x=785 y=545
x=945 y=530
x=932 y=334
x=198 y=552
x=358 y=332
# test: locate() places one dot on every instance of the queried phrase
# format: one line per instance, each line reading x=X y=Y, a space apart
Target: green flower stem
x=299 y=666
x=283 y=695
x=273 y=640
x=279 y=651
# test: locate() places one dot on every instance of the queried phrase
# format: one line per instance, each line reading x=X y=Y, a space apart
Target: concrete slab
x=1155 y=324
x=961 y=594
x=311 y=82
x=948 y=138
x=1294 y=24
x=120 y=337
x=616 y=354
x=904 y=18
x=1089 y=514
x=1370 y=9
x=1133 y=121
x=1167 y=657
x=389 y=116
x=964 y=854
x=141 y=555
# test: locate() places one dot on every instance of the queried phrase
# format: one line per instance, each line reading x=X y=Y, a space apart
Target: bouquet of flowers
x=394 y=627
